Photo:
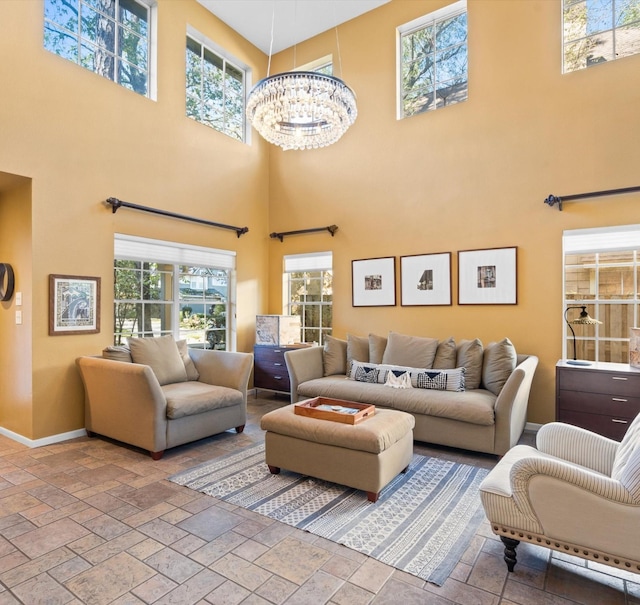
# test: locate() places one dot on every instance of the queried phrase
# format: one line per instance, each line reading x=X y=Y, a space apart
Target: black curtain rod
x=116 y=203
x=331 y=229
x=552 y=199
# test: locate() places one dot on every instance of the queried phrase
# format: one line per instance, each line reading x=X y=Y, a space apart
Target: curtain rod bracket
x=331 y=229
x=552 y=199
x=115 y=203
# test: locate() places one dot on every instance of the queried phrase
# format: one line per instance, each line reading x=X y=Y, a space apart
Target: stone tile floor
x=93 y=521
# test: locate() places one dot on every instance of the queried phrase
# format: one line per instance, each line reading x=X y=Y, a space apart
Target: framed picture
x=74 y=305
x=425 y=279
x=634 y=347
x=374 y=282
x=487 y=277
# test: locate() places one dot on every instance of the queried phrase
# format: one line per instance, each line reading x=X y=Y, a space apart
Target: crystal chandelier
x=301 y=109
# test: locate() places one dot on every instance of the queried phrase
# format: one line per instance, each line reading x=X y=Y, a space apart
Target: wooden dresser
x=602 y=397
x=269 y=367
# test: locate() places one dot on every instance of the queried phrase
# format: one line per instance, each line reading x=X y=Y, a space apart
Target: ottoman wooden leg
x=372 y=496
x=274 y=470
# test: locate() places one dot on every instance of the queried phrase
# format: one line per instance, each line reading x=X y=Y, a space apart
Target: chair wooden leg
x=274 y=470
x=240 y=428
x=510 y=551
x=156 y=455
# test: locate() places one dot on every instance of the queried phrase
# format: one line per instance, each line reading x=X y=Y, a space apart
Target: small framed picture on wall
x=487 y=277
x=425 y=279
x=74 y=305
x=374 y=282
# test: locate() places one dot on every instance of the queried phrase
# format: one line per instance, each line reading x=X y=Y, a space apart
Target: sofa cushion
x=189 y=366
x=377 y=345
x=445 y=355
x=499 y=361
x=192 y=397
x=475 y=407
x=440 y=380
x=364 y=372
x=334 y=356
x=414 y=351
x=117 y=353
x=357 y=348
x=161 y=355
x=398 y=379
x=630 y=475
x=469 y=357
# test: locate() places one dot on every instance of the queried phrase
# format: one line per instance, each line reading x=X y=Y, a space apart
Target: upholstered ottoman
x=364 y=456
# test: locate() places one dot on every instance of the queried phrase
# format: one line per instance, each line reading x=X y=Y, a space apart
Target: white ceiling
x=293 y=20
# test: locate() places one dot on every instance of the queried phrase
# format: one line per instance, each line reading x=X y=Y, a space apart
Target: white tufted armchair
x=578 y=493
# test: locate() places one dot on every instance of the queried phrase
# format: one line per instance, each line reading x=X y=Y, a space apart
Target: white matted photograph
x=487 y=277
x=425 y=279
x=374 y=282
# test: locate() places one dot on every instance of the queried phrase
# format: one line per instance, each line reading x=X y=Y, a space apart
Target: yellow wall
x=81 y=139
x=469 y=176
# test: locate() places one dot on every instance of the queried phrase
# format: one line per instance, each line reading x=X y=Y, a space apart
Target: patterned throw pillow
x=440 y=380
x=398 y=379
x=363 y=372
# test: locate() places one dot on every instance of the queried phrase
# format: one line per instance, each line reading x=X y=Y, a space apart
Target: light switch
x=18 y=299
x=18 y=317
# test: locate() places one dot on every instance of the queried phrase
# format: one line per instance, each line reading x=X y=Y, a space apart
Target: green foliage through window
x=108 y=37
x=311 y=297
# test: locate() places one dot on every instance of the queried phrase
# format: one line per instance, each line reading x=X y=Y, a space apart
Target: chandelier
x=301 y=109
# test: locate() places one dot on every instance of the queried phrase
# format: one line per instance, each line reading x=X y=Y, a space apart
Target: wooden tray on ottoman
x=336 y=410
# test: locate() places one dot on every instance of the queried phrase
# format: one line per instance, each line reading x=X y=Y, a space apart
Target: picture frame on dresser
x=488 y=276
x=374 y=282
x=425 y=279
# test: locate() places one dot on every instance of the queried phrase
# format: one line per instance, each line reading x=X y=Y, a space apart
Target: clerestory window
x=597 y=31
x=109 y=37
x=433 y=63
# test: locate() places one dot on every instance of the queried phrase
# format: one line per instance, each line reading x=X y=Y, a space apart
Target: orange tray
x=336 y=410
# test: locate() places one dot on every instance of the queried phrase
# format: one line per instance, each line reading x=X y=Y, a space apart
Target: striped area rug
x=421 y=524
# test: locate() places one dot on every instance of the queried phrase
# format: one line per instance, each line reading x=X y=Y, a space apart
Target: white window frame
x=442 y=14
x=311 y=262
x=234 y=62
x=152 y=51
x=565 y=42
x=141 y=249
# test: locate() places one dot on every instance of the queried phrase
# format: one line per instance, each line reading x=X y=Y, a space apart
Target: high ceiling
x=293 y=20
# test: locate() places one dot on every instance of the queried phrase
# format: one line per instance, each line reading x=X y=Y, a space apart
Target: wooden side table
x=603 y=397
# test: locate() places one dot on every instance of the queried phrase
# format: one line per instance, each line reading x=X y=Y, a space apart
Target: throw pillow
x=377 y=345
x=441 y=380
x=499 y=361
x=189 y=366
x=398 y=379
x=117 y=353
x=357 y=348
x=363 y=372
x=445 y=355
x=161 y=355
x=469 y=357
x=412 y=351
x=335 y=356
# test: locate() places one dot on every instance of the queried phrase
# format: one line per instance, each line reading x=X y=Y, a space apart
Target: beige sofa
x=170 y=396
x=489 y=415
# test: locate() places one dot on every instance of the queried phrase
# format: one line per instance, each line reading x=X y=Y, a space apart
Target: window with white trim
x=216 y=85
x=308 y=288
x=597 y=31
x=109 y=37
x=601 y=273
x=168 y=288
x=433 y=63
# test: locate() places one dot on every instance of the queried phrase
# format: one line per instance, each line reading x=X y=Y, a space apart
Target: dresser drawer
x=607 y=426
x=270 y=369
x=599 y=382
x=597 y=403
x=269 y=354
x=274 y=381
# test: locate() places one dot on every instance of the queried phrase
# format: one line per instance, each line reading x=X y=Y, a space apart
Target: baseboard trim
x=531 y=427
x=32 y=443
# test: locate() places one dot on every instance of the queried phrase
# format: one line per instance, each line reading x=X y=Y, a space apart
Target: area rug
x=421 y=524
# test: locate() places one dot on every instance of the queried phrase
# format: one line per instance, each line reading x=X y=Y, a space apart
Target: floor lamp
x=583 y=319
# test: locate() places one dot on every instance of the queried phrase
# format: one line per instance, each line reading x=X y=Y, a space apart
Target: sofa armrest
x=512 y=403
x=577 y=445
x=124 y=401
x=302 y=365
x=223 y=368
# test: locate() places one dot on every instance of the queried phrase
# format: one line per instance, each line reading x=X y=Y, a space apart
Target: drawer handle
x=278 y=351
x=619 y=421
x=618 y=378
x=277 y=364
x=619 y=399
x=278 y=377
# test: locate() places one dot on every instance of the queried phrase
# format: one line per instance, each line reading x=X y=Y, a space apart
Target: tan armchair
x=126 y=401
x=577 y=493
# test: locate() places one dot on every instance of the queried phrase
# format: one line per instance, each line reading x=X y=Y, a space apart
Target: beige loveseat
x=487 y=414
x=159 y=394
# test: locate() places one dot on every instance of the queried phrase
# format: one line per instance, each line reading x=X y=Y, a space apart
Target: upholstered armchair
x=576 y=492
